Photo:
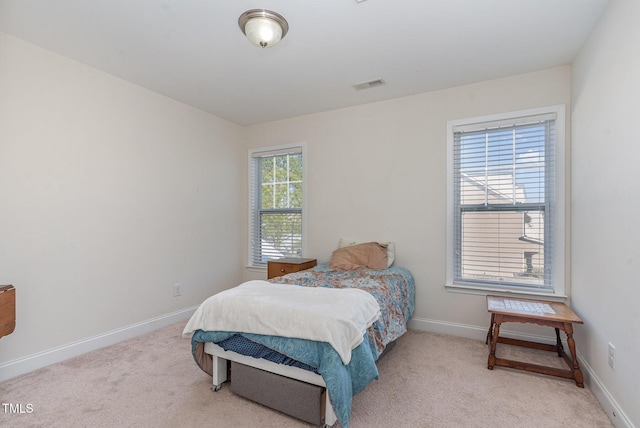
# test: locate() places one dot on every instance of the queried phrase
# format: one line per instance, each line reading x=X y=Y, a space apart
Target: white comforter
x=339 y=317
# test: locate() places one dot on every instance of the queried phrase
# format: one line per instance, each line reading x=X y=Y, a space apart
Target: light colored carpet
x=427 y=380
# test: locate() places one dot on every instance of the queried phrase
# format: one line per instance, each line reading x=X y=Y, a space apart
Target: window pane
x=267 y=200
x=267 y=167
x=295 y=167
x=295 y=195
x=503 y=166
x=281 y=168
x=281 y=199
x=281 y=235
x=504 y=247
x=281 y=181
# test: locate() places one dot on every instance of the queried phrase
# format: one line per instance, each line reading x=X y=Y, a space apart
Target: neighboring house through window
x=276 y=192
x=506 y=202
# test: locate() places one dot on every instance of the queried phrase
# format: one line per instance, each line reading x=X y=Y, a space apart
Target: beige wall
x=110 y=195
x=605 y=175
x=378 y=172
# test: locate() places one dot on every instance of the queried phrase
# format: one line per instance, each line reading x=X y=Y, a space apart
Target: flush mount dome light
x=262 y=27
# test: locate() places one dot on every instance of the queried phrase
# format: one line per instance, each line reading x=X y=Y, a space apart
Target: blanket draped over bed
x=339 y=317
x=394 y=291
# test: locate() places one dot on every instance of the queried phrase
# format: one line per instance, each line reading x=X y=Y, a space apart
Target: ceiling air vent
x=370 y=84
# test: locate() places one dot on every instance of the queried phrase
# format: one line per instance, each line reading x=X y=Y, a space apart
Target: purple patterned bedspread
x=393 y=288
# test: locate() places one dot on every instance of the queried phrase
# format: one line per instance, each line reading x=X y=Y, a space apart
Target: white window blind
x=504 y=203
x=276 y=200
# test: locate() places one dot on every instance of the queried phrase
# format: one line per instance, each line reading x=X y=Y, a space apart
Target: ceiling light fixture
x=262 y=27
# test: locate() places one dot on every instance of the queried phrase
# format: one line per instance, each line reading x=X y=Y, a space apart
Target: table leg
x=559 y=343
x=490 y=332
x=577 y=373
x=494 y=341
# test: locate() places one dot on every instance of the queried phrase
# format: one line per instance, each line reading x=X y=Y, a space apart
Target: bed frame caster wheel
x=216 y=388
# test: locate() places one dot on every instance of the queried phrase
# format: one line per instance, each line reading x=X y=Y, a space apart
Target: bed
x=318 y=366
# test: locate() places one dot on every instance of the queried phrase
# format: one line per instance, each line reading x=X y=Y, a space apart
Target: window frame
x=558 y=289
x=253 y=211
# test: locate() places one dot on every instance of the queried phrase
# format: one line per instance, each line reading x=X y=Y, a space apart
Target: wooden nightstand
x=7 y=309
x=288 y=265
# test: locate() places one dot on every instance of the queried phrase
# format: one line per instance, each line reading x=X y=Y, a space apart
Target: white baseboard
x=33 y=362
x=472 y=331
x=448 y=328
x=617 y=416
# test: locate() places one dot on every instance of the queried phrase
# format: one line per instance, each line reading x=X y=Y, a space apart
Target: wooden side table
x=548 y=314
x=287 y=265
x=7 y=309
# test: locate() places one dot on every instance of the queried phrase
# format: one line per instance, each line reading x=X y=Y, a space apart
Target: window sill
x=256 y=268
x=483 y=291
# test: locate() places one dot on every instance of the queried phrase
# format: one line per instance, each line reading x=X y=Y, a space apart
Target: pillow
x=370 y=255
x=391 y=248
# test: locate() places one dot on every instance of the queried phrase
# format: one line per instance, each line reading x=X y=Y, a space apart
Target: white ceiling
x=193 y=50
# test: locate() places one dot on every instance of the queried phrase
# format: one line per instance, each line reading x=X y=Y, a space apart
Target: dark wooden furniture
x=509 y=309
x=287 y=265
x=7 y=309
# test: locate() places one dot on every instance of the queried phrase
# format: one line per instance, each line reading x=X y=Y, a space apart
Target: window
x=276 y=204
x=506 y=202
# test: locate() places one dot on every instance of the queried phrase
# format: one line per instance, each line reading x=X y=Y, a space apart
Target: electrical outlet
x=177 y=290
x=612 y=356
